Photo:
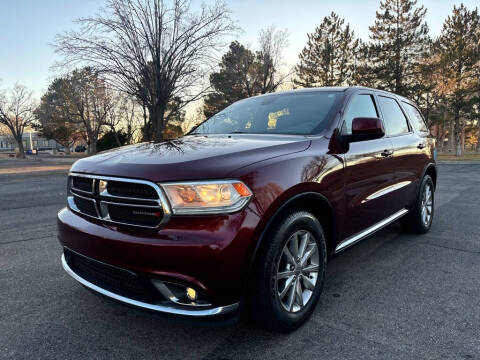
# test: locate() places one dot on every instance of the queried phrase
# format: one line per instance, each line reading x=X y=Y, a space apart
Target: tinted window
x=416 y=118
x=301 y=113
x=395 y=121
x=360 y=106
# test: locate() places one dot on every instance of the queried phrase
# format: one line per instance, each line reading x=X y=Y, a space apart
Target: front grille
x=122 y=189
x=116 y=280
x=122 y=201
x=86 y=206
x=82 y=183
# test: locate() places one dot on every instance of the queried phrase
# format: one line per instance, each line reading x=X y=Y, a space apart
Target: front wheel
x=290 y=272
x=420 y=218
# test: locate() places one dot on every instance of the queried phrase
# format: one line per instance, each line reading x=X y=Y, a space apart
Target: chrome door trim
x=370 y=230
x=386 y=190
x=220 y=310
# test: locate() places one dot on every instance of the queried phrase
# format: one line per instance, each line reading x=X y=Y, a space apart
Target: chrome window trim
x=220 y=310
x=104 y=216
x=370 y=230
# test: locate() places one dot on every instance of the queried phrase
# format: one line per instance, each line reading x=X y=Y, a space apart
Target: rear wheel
x=420 y=218
x=290 y=272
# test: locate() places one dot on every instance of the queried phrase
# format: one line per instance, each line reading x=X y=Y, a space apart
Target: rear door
x=407 y=150
x=368 y=170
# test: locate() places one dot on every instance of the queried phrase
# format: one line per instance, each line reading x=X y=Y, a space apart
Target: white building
x=7 y=143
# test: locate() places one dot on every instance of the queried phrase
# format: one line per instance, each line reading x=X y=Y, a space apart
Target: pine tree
x=399 y=37
x=458 y=58
x=233 y=81
x=328 y=57
x=243 y=73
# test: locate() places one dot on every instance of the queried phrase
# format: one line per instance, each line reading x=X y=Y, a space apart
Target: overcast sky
x=28 y=27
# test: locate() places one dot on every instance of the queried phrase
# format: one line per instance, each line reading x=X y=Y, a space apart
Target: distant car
x=80 y=148
x=248 y=205
x=61 y=149
x=32 y=152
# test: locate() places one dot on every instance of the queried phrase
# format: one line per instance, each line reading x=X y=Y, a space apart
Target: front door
x=408 y=148
x=369 y=172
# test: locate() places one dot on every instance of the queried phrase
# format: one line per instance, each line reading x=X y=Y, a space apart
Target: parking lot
x=393 y=296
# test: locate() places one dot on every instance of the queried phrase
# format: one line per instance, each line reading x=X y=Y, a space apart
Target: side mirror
x=364 y=128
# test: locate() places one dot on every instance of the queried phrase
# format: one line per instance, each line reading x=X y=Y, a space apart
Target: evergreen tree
x=399 y=37
x=233 y=81
x=243 y=73
x=458 y=58
x=328 y=59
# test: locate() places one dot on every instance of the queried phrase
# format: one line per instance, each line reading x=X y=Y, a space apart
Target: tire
x=420 y=219
x=271 y=299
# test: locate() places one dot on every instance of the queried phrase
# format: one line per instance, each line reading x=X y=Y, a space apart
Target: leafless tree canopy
x=154 y=50
x=272 y=43
x=16 y=112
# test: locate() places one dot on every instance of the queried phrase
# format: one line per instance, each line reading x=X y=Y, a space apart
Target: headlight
x=207 y=197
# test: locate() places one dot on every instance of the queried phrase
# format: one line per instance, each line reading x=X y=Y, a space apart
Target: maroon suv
x=247 y=206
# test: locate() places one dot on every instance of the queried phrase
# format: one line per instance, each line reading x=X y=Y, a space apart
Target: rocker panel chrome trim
x=363 y=234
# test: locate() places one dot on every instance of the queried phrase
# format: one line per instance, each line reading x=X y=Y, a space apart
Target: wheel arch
x=311 y=201
x=431 y=170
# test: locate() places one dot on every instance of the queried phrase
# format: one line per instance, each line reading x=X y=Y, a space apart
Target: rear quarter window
x=416 y=118
x=393 y=117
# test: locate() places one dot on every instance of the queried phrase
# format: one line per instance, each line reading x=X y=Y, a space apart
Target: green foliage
x=243 y=73
x=400 y=38
x=458 y=62
x=53 y=116
x=110 y=140
x=235 y=79
x=329 y=58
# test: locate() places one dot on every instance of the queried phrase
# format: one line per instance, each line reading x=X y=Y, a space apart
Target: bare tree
x=154 y=50
x=16 y=112
x=87 y=100
x=272 y=42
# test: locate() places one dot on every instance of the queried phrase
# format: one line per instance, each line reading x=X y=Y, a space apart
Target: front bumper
x=216 y=311
x=209 y=254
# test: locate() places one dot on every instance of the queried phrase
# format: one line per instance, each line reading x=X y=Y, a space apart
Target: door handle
x=421 y=146
x=387 y=152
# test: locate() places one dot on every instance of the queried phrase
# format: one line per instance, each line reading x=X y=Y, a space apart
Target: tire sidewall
x=426 y=180
x=298 y=220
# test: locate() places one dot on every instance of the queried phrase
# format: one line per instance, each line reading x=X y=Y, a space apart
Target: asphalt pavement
x=393 y=296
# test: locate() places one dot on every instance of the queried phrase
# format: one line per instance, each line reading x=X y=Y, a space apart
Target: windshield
x=300 y=113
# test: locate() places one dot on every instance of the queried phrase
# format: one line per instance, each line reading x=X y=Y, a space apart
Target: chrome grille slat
x=103 y=200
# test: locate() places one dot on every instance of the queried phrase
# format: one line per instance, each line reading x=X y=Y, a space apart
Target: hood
x=193 y=157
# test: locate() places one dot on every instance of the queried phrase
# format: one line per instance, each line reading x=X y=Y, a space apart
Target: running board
x=363 y=234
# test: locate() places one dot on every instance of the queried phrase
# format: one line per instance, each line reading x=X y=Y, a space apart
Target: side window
x=360 y=106
x=395 y=120
x=415 y=117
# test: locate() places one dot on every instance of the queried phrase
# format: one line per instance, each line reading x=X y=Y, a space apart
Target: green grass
x=465 y=157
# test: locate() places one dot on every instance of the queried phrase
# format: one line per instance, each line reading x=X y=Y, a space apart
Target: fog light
x=192 y=294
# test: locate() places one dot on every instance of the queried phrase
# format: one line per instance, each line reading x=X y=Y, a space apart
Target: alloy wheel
x=427 y=204
x=297 y=271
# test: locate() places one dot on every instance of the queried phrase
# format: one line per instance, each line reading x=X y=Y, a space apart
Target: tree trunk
x=117 y=139
x=157 y=115
x=21 y=150
x=67 y=149
x=458 y=134
x=451 y=137
x=92 y=146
